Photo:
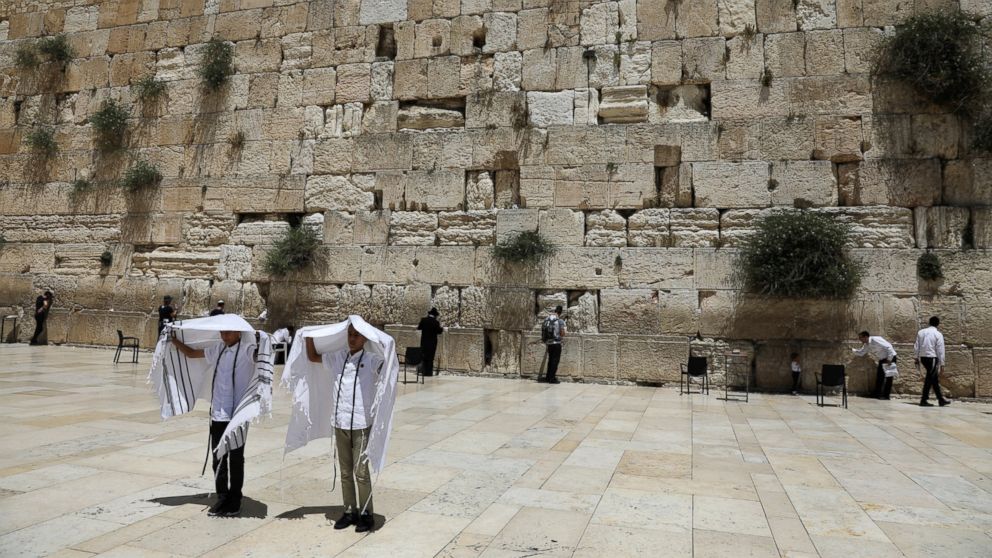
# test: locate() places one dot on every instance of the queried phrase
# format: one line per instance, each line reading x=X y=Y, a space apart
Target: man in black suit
x=429 y=328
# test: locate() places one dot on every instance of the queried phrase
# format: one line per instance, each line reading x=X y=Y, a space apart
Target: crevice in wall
x=385 y=47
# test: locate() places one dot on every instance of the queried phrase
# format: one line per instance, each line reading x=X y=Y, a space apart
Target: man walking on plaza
x=552 y=332
x=929 y=349
x=882 y=351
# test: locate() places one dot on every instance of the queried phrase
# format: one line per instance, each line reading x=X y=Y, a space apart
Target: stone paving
x=488 y=467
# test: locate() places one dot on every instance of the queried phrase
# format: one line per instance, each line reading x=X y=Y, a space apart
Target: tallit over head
x=179 y=381
x=312 y=386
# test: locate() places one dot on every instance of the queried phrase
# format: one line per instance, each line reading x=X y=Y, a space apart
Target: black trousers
x=39 y=326
x=427 y=365
x=795 y=381
x=233 y=462
x=932 y=379
x=554 y=357
x=883 y=385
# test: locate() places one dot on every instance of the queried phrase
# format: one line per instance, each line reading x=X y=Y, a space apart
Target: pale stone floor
x=487 y=467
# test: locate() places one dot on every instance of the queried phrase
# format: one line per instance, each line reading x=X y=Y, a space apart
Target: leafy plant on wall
x=527 y=247
x=293 y=251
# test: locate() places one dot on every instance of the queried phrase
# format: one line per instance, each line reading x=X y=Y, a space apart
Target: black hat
x=167 y=297
x=433 y=312
x=220 y=303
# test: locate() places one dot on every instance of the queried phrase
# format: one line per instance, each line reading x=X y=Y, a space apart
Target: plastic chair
x=831 y=376
x=695 y=368
x=278 y=348
x=126 y=343
x=413 y=356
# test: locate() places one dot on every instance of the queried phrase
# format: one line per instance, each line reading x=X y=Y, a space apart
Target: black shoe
x=886 y=398
x=944 y=403
x=218 y=507
x=926 y=404
x=346 y=520
x=553 y=381
x=365 y=523
x=231 y=508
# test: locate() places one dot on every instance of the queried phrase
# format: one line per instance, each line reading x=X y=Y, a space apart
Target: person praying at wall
x=42 y=305
x=166 y=313
x=882 y=351
x=429 y=328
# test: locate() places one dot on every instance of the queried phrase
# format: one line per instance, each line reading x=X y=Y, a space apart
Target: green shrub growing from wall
x=56 y=48
x=527 y=247
x=109 y=125
x=941 y=55
x=26 y=57
x=928 y=267
x=42 y=141
x=149 y=89
x=797 y=254
x=106 y=258
x=218 y=64
x=141 y=174
x=293 y=251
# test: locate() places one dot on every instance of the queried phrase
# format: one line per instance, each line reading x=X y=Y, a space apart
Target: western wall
x=641 y=137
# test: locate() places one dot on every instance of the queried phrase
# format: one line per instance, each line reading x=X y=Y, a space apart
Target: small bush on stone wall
x=526 y=247
x=218 y=64
x=42 y=141
x=941 y=55
x=109 y=125
x=26 y=57
x=293 y=251
x=81 y=185
x=149 y=89
x=106 y=258
x=800 y=254
x=928 y=267
x=56 y=48
x=141 y=174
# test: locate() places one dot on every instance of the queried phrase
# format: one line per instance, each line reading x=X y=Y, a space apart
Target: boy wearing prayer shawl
x=343 y=379
x=354 y=372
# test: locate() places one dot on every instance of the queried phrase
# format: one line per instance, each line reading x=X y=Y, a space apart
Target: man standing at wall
x=166 y=313
x=552 y=332
x=929 y=349
x=219 y=309
x=882 y=351
x=429 y=328
x=41 y=307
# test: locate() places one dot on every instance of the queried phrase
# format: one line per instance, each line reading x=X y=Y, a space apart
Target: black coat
x=429 y=328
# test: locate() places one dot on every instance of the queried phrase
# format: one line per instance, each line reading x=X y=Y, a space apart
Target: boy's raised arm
x=312 y=354
x=187 y=350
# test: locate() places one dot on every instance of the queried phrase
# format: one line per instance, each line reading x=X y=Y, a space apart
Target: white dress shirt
x=351 y=371
x=930 y=343
x=229 y=384
x=878 y=348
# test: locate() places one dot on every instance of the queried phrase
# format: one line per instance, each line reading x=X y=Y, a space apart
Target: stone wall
x=643 y=137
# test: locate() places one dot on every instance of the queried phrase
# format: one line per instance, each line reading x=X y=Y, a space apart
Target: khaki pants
x=351 y=444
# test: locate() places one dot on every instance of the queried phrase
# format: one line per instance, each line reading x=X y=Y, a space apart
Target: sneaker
x=346 y=520
x=231 y=508
x=926 y=404
x=218 y=507
x=365 y=523
x=944 y=403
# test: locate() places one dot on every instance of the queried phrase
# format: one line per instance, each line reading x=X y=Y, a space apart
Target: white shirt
x=929 y=343
x=354 y=406
x=281 y=335
x=229 y=385
x=878 y=348
x=795 y=367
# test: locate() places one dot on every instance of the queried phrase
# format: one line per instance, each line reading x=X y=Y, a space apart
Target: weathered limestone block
x=699 y=21
x=653 y=359
x=599 y=23
x=604 y=71
x=666 y=62
x=563 y=227
x=501 y=31
x=936 y=135
x=623 y=104
x=967 y=271
x=981 y=224
x=479 y=190
x=412 y=228
x=550 y=109
x=382 y=11
x=339 y=228
x=694 y=227
x=656 y=268
x=900 y=183
x=943 y=227
x=355 y=299
x=510 y=222
x=507 y=71
x=599 y=356
x=704 y=59
x=207 y=229
x=336 y=192
x=443 y=77
x=432 y=38
x=583 y=268
x=464 y=30
x=966 y=182
x=816 y=14
x=650 y=228
x=785 y=54
x=582 y=315
x=810 y=181
x=745 y=57
x=343 y=121
x=635 y=63
x=442 y=189
x=736 y=15
x=27 y=257
x=887 y=136
x=983 y=371
x=586 y=145
x=61 y=228
x=410 y=79
x=446 y=300
x=843 y=95
x=371 y=227
x=497 y=308
x=605 y=228
x=900 y=318
x=630 y=311
x=235 y=263
x=729 y=185
x=774 y=16
x=463 y=350
x=838 y=139
x=824 y=52
x=654 y=21
x=876 y=227
x=172 y=262
x=891 y=271
x=747 y=98
x=532 y=28
x=469 y=228
x=318 y=86
x=417 y=117
x=495 y=108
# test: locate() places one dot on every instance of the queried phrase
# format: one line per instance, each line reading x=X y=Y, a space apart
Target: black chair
x=413 y=357
x=831 y=376
x=126 y=343
x=696 y=368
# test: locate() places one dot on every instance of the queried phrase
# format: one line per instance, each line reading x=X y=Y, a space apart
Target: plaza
x=495 y=467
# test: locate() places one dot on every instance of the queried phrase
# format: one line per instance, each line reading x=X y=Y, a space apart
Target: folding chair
x=413 y=357
x=695 y=368
x=126 y=343
x=831 y=376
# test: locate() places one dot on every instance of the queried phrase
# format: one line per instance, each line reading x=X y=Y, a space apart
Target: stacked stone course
x=642 y=137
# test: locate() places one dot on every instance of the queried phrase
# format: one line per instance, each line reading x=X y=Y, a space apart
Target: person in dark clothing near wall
x=166 y=313
x=552 y=332
x=219 y=309
x=429 y=328
x=41 y=307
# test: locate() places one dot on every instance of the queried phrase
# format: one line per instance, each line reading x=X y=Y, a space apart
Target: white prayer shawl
x=312 y=384
x=179 y=381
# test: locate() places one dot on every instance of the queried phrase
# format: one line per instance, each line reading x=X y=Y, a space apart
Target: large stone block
x=599 y=356
x=630 y=311
x=463 y=350
x=550 y=109
x=470 y=228
x=563 y=227
x=966 y=182
x=729 y=185
x=623 y=104
x=583 y=268
x=412 y=228
x=605 y=228
x=344 y=193
x=652 y=359
x=900 y=183
x=810 y=181
x=656 y=268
